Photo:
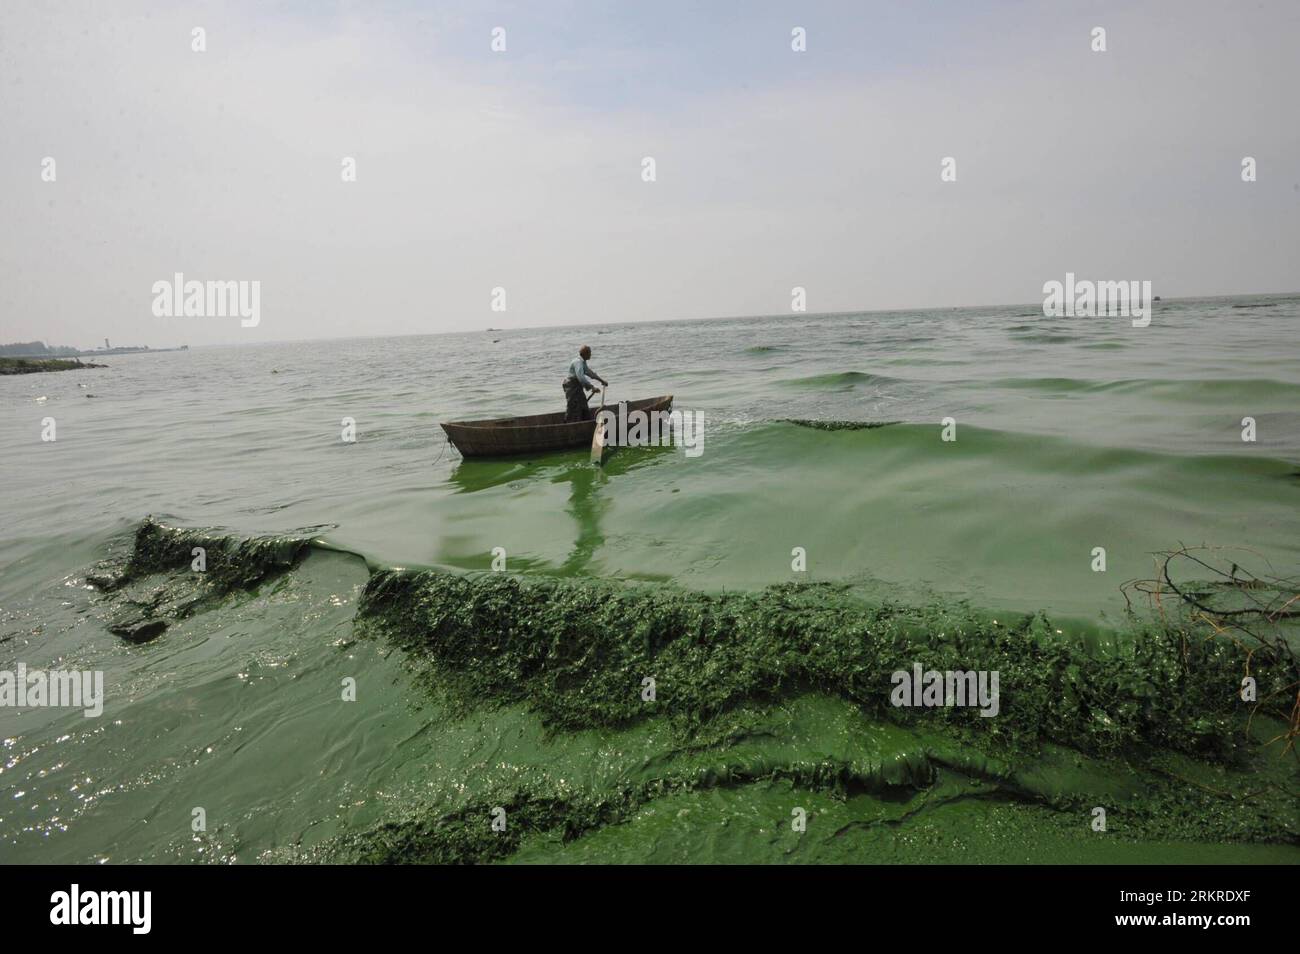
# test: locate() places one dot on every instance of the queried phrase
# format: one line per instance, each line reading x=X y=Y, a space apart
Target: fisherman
x=580 y=375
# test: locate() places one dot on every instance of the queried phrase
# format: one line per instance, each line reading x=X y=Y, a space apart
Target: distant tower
x=105 y=344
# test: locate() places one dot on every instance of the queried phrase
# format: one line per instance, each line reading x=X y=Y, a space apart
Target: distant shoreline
x=97 y=353
x=36 y=365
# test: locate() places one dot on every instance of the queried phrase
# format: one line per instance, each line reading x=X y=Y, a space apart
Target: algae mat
x=770 y=736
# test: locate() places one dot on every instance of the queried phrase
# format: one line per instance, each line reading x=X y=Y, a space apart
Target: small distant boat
x=535 y=433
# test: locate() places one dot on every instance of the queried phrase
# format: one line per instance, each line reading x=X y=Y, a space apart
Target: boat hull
x=533 y=434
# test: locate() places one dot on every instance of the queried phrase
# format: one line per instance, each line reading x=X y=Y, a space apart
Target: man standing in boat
x=576 y=385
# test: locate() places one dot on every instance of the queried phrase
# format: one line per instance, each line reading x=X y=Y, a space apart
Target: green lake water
x=1071 y=434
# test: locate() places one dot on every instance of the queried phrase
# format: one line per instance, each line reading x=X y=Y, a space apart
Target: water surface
x=1071 y=434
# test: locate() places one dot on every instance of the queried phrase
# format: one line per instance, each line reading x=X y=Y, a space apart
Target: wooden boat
x=534 y=433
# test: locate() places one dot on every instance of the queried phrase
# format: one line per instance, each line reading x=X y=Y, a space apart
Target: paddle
x=598 y=438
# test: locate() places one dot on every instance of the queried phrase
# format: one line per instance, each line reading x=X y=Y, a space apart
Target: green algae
x=872 y=778
x=739 y=825
x=579 y=651
x=782 y=694
x=814 y=741
x=232 y=563
x=1081 y=725
x=145 y=606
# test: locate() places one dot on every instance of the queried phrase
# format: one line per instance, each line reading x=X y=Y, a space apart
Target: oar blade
x=599 y=437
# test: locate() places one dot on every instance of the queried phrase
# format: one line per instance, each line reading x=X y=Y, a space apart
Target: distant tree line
x=32 y=348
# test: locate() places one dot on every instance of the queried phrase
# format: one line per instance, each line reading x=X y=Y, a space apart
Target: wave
x=1041 y=338
x=204 y=567
x=842 y=380
x=566 y=647
x=903 y=443
x=1203 y=389
x=913 y=443
x=837 y=425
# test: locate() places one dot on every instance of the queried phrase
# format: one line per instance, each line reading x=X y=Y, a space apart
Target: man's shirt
x=581 y=371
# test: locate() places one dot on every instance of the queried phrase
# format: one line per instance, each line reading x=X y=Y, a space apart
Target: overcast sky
x=523 y=169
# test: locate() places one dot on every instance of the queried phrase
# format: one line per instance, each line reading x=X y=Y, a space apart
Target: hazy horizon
x=522 y=169
x=810 y=316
